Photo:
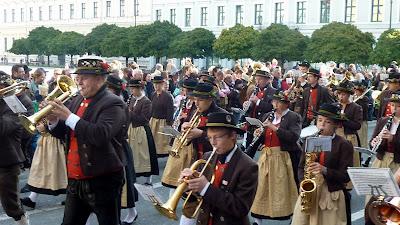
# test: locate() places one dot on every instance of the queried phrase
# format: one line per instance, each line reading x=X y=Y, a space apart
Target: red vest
x=388 y=110
x=200 y=146
x=73 y=160
x=312 y=103
x=271 y=139
x=259 y=95
x=218 y=174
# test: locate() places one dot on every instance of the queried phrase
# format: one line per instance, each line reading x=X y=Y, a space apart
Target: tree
x=341 y=43
x=196 y=43
x=22 y=47
x=157 y=38
x=94 y=39
x=386 y=49
x=236 y=42
x=280 y=42
x=118 y=42
x=41 y=38
x=69 y=43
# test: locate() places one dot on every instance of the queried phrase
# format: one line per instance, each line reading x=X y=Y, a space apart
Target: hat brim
x=200 y=95
x=280 y=99
x=90 y=72
x=262 y=75
x=135 y=86
x=393 y=80
x=223 y=125
x=330 y=115
x=189 y=87
x=317 y=75
x=394 y=100
x=340 y=89
x=158 y=81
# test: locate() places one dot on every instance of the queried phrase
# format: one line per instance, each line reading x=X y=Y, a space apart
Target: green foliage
x=68 y=43
x=236 y=42
x=40 y=39
x=21 y=47
x=157 y=38
x=196 y=43
x=341 y=43
x=280 y=42
x=387 y=48
x=96 y=36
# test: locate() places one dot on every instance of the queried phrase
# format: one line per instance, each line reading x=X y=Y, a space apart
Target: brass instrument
x=363 y=94
x=168 y=209
x=308 y=187
x=14 y=89
x=66 y=88
x=182 y=141
x=382 y=210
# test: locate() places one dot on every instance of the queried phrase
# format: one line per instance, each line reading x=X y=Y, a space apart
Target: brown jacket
x=363 y=102
x=337 y=161
x=354 y=114
x=162 y=107
x=384 y=100
x=230 y=204
x=140 y=113
x=380 y=152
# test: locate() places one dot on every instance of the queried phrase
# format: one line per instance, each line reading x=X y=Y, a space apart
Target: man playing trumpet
x=227 y=197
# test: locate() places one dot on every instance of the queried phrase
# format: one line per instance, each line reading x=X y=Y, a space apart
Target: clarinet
x=247 y=104
x=129 y=101
x=249 y=149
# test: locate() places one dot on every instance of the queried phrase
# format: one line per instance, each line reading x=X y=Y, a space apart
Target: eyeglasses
x=216 y=138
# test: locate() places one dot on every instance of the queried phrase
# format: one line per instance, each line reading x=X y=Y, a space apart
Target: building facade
x=18 y=17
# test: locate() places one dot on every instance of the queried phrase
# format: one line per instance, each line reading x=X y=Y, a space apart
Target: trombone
x=168 y=209
x=66 y=88
x=15 y=88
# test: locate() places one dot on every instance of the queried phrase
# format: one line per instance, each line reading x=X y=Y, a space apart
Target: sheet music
x=254 y=121
x=374 y=181
x=15 y=104
x=170 y=131
x=318 y=144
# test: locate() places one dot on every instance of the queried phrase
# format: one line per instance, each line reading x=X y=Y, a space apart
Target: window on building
x=377 y=14
x=221 y=15
x=279 y=12
x=5 y=44
x=325 y=11
x=13 y=15
x=158 y=15
x=301 y=12
x=5 y=15
x=50 y=12
x=258 y=14
x=40 y=13
x=350 y=11
x=172 y=17
x=60 y=11
x=22 y=15
x=239 y=14
x=188 y=15
x=31 y=14
x=121 y=8
x=136 y=7
x=108 y=8
x=95 y=9
x=203 y=16
x=83 y=13
x=71 y=11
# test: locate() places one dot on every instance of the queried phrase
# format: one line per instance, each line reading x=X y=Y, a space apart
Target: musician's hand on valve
x=185 y=126
x=186 y=173
x=41 y=128
x=195 y=133
x=60 y=110
x=197 y=184
x=254 y=98
x=387 y=135
x=315 y=168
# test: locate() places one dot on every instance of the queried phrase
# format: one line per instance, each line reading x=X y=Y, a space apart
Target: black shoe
x=28 y=202
x=126 y=223
x=25 y=189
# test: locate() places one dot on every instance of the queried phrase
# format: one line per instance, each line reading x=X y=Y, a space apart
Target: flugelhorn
x=382 y=211
x=66 y=88
x=168 y=209
x=15 y=88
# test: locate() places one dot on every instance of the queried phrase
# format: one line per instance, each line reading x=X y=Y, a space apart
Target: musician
x=330 y=172
x=223 y=89
x=313 y=97
x=277 y=189
x=363 y=101
x=260 y=101
x=140 y=137
x=93 y=126
x=393 y=86
x=11 y=155
x=129 y=194
x=353 y=113
x=304 y=67
x=227 y=199
x=187 y=156
x=162 y=113
x=387 y=128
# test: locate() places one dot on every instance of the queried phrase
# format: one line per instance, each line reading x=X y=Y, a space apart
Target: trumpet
x=363 y=94
x=66 y=88
x=182 y=140
x=15 y=88
x=382 y=210
x=168 y=209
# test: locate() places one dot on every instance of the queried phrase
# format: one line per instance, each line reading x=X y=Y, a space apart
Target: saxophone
x=308 y=187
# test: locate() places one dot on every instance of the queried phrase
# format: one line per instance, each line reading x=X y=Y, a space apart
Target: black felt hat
x=5 y=79
x=114 y=82
x=204 y=90
x=305 y=64
x=222 y=119
x=345 y=86
x=190 y=84
x=92 y=66
x=395 y=97
x=359 y=85
x=158 y=79
x=394 y=77
x=314 y=72
x=281 y=96
x=135 y=83
x=332 y=111
x=262 y=73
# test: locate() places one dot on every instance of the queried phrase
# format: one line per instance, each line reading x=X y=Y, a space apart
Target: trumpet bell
x=167 y=211
x=28 y=123
x=381 y=212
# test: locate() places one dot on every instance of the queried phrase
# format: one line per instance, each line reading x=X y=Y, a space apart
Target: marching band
x=97 y=132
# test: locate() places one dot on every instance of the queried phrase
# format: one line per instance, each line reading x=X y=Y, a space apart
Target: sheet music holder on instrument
x=15 y=104
x=147 y=192
x=170 y=131
x=374 y=181
x=318 y=144
x=365 y=151
x=254 y=121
